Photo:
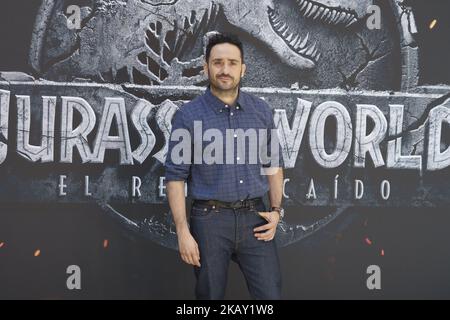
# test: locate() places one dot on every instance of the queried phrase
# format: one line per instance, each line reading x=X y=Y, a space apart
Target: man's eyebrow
x=220 y=59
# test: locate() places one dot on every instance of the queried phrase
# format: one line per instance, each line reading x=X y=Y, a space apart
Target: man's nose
x=226 y=70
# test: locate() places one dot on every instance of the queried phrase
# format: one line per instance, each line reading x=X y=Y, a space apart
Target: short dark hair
x=220 y=38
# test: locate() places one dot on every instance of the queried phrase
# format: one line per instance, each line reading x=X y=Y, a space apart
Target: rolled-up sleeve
x=177 y=171
x=275 y=154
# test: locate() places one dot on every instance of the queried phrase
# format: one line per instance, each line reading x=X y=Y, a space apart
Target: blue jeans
x=223 y=234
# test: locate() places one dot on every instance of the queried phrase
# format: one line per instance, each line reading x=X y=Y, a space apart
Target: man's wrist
x=280 y=211
x=182 y=229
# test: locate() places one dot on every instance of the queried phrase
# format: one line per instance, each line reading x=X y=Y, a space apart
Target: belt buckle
x=243 y=203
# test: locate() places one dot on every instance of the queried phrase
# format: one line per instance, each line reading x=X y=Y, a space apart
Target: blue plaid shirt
x=225 y=182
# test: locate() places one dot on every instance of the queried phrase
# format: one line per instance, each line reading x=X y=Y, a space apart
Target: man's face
x=225 y=67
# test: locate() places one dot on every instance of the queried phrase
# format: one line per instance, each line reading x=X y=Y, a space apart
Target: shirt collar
x=218 y=104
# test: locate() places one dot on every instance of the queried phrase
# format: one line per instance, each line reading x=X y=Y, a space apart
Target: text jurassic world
x=352 y=143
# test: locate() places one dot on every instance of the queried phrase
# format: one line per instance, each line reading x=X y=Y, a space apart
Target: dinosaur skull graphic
x=161 y=42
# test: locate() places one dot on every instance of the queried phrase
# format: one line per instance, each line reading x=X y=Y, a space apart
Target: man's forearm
x=177 y=203
x=276 y=188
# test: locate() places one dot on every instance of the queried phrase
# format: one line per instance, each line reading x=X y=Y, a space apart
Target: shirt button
x=241 y=181
x=231 y=113
x=235 y=135
x=226 y=106
x=237 y=158
x=237 y=107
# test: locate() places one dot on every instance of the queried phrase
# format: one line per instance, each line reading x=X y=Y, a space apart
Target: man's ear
x=205 y=67
x=244 y=68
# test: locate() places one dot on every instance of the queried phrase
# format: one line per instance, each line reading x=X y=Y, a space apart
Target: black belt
x=247 y=203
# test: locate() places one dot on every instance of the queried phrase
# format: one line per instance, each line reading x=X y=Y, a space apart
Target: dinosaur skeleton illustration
x=157 y=44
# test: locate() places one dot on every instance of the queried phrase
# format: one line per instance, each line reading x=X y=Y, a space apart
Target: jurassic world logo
x=334 y=134
x=92 y=122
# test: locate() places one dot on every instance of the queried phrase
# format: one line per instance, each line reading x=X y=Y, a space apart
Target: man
x=228 y=218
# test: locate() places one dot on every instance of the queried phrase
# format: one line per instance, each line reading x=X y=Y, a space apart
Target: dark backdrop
x=415 y=242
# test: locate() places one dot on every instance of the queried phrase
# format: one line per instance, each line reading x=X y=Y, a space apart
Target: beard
x=230 y=85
